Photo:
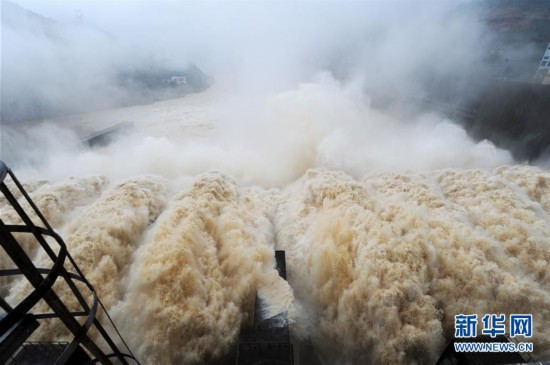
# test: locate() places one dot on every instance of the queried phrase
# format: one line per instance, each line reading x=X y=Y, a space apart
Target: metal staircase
x=18 y=321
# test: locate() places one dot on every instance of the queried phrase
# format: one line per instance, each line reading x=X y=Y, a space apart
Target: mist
x=390 y=47
x=364 y=54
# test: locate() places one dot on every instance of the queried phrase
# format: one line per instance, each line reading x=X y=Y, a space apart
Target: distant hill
x=513 y=15
x=44 y=65
x=17 y=17
x=519 y=20
x=518 y=34
x=502 y=102
x=52 y=69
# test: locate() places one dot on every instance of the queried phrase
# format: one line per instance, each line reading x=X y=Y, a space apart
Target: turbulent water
x=390 y=229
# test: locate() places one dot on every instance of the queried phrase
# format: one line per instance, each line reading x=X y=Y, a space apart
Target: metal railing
x=42 y=281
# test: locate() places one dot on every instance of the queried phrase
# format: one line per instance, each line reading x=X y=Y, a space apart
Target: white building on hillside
x=176 y=81
x=544 y=67
x=545 y=62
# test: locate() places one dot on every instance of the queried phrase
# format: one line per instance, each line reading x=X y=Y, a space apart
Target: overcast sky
x=216 y=35
x=252 y=46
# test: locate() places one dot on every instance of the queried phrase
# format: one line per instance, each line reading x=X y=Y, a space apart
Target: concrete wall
x=515 y=116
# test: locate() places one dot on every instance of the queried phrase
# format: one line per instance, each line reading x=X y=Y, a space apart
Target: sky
x=252 y=46
x=283 y=39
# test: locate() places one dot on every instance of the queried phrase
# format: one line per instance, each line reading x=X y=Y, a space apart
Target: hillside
x=81 y=69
